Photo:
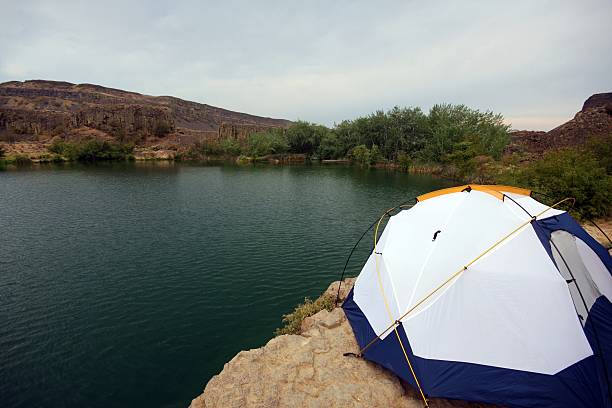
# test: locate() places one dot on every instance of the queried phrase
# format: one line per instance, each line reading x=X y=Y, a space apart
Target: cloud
x=322 y=61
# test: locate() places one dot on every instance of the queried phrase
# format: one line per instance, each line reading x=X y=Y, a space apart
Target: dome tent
x=482 y=293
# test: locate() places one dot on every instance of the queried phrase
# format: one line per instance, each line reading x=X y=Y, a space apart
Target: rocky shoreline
x=310 y=370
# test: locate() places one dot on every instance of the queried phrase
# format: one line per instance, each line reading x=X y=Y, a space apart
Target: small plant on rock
x=293 y=321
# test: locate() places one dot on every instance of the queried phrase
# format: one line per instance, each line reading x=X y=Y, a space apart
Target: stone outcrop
x=594 y=121
x=309 y=370
x=153 y=154
x=598 y=100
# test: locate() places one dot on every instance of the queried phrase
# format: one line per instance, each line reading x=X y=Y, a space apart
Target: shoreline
x=29 y=157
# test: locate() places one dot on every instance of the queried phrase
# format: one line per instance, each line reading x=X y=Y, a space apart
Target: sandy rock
x=345 y=287
x=150 y=154
x=309 y=370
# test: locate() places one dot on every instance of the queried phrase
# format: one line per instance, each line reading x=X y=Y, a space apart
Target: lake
x=127 y=284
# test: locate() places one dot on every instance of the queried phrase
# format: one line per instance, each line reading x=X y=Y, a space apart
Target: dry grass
x=293 y=321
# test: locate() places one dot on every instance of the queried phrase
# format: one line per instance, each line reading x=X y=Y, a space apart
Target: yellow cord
x=431 y=293
x=391 y=314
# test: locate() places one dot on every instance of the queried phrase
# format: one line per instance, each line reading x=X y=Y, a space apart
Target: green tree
x=360 y=154
x=271 y=141
x=375 y=155
x=330 y=147
x=453 y=125
x=304 y=137
x=403 y=160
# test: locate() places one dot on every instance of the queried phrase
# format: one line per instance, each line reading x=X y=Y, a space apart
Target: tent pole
x=460 y=271
x=401 y=206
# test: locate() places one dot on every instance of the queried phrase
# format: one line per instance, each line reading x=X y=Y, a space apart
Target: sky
x=323 y=61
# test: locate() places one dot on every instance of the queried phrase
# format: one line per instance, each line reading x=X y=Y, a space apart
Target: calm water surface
x=131 y=285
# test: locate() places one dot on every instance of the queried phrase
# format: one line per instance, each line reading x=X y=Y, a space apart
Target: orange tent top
x=493 y=189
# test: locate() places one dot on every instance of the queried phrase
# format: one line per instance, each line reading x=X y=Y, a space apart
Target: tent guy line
x=459 y=272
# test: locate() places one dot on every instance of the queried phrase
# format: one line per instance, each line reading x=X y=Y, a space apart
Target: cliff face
x=309 y=370
x=38 y=110
x=593 y=121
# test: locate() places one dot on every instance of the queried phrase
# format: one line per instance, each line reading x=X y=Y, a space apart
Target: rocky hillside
x=310 y=370
x=594 y=120
x=36 y=111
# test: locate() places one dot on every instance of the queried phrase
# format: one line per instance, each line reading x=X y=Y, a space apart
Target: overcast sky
x=323 y=61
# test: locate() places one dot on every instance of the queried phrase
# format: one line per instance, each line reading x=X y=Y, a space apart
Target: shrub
x=304 y=137
x=211 y=148
x=403 y=160
x=293 y=321
x=569 y=173
x=601 y=149
x=2 y=152
x=268 y=142
x=91 y=149
x=360 y=154
x=18 y=159
x=330 y=148
x=230 y=147
x=375 y=155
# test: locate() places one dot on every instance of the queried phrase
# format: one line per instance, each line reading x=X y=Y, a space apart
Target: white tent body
x=512 y=308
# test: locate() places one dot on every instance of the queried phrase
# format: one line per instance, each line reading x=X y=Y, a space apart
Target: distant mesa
x=38 y=110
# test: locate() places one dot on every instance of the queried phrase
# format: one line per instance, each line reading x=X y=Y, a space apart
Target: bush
x=2 y=152
x=18 y=159
x=91 y=150
x=211 y=148
x=330 y=148
x=293 y=321
x=403 y=160
x=304 y=137
x=268 y=142
x=375 y=155
x=569 y=173
x=432 y=137
x=601 y=149
x=230 y=147
x=360 y=154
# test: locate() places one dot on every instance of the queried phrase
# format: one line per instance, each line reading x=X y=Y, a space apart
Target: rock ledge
x=309 y=370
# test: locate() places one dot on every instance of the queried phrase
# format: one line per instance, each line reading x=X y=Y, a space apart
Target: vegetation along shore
x=48 y=121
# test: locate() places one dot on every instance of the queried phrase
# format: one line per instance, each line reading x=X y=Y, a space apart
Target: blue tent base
x=581 y=385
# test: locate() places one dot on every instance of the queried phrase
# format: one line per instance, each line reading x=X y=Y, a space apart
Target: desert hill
x=38 y=110
x=593 y=121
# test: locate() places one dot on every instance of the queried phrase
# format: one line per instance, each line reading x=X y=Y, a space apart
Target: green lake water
x=127 y=285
